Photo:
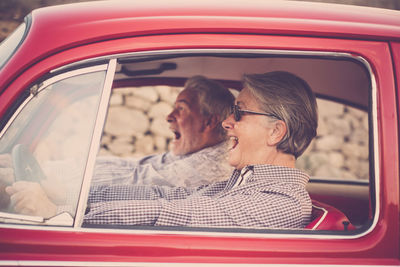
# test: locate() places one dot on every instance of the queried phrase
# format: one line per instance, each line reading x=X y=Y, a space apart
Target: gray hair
x=213 y=98
x=291 y=100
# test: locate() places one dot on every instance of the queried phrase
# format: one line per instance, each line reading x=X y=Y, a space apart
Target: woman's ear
x=278 y=131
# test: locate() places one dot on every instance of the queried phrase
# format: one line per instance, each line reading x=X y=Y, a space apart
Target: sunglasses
x=238 y=113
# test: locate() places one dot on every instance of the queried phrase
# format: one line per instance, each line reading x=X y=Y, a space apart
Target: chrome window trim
x=374 y=114
x=94 y=145
x=277 y=52
x=288 y=235
x=325 y=213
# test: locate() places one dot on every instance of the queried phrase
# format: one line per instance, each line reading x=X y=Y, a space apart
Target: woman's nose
x=228 y=122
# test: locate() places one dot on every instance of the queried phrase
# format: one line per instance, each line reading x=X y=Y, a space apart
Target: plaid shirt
x=271 y=197
x=206 y=166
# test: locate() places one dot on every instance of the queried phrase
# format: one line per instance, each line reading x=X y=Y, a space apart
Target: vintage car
x=67 y=68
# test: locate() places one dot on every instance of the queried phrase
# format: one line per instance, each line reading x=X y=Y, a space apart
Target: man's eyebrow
x=182 y=101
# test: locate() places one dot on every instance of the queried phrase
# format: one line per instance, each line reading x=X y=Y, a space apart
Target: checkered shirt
x=271 y=197
x=206 y=166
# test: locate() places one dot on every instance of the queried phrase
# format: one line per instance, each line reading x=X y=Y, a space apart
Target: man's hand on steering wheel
x=29 y=198
x=21 y=187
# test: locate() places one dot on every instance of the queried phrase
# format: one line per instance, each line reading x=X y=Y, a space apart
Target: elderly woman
x=265 y=146
x=272 y=123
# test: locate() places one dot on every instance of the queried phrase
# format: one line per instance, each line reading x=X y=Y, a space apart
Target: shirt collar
x=273 y=173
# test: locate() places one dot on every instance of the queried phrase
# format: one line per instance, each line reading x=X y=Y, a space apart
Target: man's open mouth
x=177 y=135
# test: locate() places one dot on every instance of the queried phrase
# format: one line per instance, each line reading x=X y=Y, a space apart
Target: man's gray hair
x=290 y=99
x=213 y=98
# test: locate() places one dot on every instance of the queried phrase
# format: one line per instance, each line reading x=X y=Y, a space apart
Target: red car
x=66 y=67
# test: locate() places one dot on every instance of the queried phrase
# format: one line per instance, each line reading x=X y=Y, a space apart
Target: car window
x=52 y=134
x=48 y=142
x=338 y=160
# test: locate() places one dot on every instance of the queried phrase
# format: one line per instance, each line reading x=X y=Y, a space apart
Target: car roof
x=291 y=17
x=56 y=28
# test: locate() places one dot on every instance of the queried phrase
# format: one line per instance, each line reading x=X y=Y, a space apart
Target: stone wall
x=136 y=122
x=136 y=126
x=341 y=146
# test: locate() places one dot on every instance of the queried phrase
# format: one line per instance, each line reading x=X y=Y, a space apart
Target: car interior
x=335 y=78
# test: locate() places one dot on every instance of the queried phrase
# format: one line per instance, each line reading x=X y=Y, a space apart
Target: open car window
x=339 y=160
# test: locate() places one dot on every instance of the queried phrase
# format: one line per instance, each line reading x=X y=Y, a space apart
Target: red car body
x=63 y=35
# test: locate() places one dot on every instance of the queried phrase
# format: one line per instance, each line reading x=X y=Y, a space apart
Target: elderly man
x=272 y=123
x=199 y=149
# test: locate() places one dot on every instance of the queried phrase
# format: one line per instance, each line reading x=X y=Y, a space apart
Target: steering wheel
x=26 y=167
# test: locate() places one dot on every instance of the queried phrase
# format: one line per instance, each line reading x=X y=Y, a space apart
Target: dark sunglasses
x=238 y=113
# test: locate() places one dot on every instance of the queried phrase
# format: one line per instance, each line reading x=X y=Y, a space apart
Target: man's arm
x=113 y=170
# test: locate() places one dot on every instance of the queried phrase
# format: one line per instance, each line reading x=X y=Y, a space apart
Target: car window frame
x=374 y=157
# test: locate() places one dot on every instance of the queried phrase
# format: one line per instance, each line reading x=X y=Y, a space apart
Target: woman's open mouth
x=233 y=142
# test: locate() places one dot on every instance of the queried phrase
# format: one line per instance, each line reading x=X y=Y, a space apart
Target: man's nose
x=170 y=117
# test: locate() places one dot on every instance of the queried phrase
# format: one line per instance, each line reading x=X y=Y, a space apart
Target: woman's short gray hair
x=213 y=98
x=291 y=100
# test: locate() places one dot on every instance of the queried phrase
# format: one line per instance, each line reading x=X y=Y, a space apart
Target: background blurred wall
x=136 y=126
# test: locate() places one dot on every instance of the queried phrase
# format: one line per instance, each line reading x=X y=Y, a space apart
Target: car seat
x=326 y=217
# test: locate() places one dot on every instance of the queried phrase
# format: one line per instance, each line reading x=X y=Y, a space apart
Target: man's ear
x=277 y=133
x=211 y=122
